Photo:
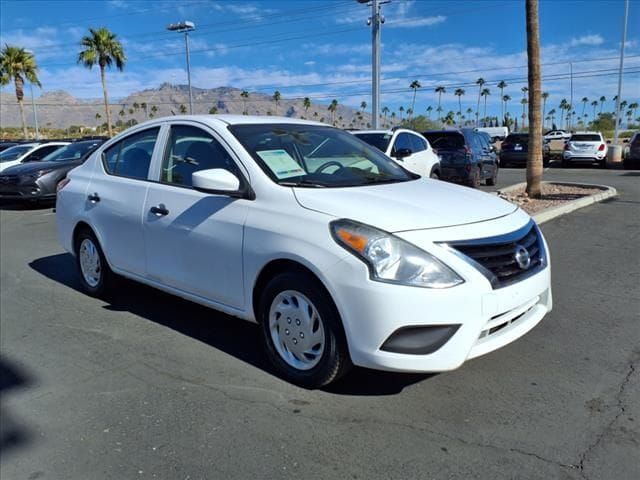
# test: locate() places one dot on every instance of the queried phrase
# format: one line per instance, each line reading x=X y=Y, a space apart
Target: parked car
x=632 y=158
x=27 y=152
x=408 y=148
x=557 y=135
x=465 y=156
x=338 y=253
x=37 y=181
x=515 y=150
x=496 y=133
x=585 y=147
x=5 y=145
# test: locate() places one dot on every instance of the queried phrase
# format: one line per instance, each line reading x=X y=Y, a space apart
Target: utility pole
x=624 y=40
x=35 y=112
x=376 y=20
x=570 y=111
x=185 y=27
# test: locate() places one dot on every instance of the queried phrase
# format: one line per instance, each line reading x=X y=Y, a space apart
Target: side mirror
x=217 y=180
x=403 y=153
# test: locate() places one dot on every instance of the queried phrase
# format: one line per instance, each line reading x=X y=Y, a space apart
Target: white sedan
x=407 y=147
x=27 y=152
x=338 y=253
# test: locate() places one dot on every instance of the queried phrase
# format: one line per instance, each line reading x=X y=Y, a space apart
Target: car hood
x=31 y=167
x=414 y=205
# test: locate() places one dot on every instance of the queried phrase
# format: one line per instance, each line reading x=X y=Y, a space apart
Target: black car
x=466 y=156
x=5 y=145
x=515 y=150
x=37 y=181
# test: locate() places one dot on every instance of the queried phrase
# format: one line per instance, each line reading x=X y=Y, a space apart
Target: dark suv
x=515 y=149
x=632 y=159
x=466 y=156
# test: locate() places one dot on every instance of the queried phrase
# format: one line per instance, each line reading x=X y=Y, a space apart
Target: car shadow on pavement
x=235 y=337
x=12 y=434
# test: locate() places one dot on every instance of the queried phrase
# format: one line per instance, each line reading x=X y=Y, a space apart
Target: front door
x=194 y=239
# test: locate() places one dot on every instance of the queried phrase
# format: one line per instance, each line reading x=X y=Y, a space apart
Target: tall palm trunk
x=106 y=100
x=534 y=157
x=19 y=83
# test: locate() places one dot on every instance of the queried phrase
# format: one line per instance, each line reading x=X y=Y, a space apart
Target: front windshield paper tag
x=281 y=163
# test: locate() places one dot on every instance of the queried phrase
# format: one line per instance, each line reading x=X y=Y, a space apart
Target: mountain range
x=60 y=109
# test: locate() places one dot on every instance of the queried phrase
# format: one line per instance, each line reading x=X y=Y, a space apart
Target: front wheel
x=302 y=331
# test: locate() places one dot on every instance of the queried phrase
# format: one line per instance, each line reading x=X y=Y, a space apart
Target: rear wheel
x=435 y=175
x=302 y=331
x=493 y=179
x=474 y=179
x=95 y=275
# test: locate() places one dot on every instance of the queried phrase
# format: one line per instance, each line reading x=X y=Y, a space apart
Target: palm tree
x=523 y=102
x=103 y=48
x=154 y=110
x=506 y=99
x=552 y=115
x=17 y=64
x=545 y=95
x=332 y=108
x=429 y=110
x=502 y=85
x=276 y=98
x=594 y=104
x=584 y=101
x=385 y=111
x=393 y=117
x=602 y=100
x=143 y=105
x=633 y=106
x=98 y=117
x=183 y=108
x=563 y=106
x=415 y=85
x=213 y=110
x=245 y=95
x=363 y=106
x=459 y=93
x=480 y=82
x=449 y=119
x=534 y=154
x=401 y=109
x=306 y=103
x=440 y=90
x=485 y=93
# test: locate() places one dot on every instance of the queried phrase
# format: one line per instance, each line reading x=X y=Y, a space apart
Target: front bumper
x=488 y=319
x=26 y=190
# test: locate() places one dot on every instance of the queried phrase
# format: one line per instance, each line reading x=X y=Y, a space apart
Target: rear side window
x=586 y=138
x=403 y=141
x=445 y=140
x=190 y=150
x=418 y=144
x=131 y=156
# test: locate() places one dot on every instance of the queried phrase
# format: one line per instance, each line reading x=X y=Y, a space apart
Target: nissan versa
x=339 y=254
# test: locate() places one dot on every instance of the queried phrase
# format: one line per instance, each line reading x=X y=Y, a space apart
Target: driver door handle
x=93 y=198
x=159 y=210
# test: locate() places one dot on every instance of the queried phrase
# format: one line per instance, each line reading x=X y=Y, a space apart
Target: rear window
x=445 y=140
x=586 y=137
x=378 y=140
x=517 y=139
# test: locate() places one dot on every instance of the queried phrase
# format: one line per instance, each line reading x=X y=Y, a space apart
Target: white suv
x=407 y=147
x=585 y=147
x=338 y=253
x=27 y=152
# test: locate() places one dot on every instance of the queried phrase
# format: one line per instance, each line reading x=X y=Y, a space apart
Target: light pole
x=33 y=105
x=624 y=40
x=375 y=21
x=185 y=27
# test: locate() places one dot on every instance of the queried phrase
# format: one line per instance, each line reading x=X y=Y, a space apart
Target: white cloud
x=416 y=22
x=591 y=40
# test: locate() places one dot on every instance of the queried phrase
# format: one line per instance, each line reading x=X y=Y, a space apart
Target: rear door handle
x=159 y=210
x=93 y=198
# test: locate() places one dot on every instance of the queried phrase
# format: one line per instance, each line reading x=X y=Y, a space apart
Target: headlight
x=39 y=173
x=391 y=259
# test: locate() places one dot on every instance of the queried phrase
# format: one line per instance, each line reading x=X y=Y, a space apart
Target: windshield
x=73 y=151
x=445 y=140
x=585 y=138
x=13 y=153
x=317 y=156
x=378 y=140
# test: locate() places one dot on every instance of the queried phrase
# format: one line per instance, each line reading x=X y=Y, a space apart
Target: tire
x=491 y=181
x=546 y=161
x=474 y=180
x=96 y=279
x=435 y=175
x=565 y=163
x=320 y=364
x=602 y=164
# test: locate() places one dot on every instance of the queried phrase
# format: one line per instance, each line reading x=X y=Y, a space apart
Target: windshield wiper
x=304 y=183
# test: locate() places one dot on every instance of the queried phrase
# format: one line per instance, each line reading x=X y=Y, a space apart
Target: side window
x=41 y=153
x=419 y=144
x=476 y=143
x=190 y=150
x=131 y=157
x=403 y=141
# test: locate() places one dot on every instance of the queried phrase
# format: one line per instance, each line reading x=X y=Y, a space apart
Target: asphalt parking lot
x=151 y=386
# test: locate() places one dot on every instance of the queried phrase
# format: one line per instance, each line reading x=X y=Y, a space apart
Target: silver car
x=585 y=147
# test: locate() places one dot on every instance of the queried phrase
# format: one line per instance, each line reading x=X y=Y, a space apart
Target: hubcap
x=296 y=330
x=90 y=262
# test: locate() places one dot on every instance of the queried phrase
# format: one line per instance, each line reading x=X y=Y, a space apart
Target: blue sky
x=322 y=49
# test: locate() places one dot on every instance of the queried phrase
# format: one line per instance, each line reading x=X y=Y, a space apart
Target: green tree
x=183 y=108
x=485 y=93
x=213 y=110
x=333 y=106
x=154 y=110
x=429 y=110
x=143 y=105
x=459 y=93
x=415 y=85
x=245 y=95
x=102 y=47
x=502 y=85
x=524 y=102
x=440 y=89
x=17 y=64
x=385 y=111
x=480 y=82
x=594 y=104
x=584 y=101
x=306 y=103
x=276 y=99
x=545 y=95
x=505 y=100
x=602 y=100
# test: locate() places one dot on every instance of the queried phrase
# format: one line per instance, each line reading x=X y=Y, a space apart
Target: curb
x=550 y=213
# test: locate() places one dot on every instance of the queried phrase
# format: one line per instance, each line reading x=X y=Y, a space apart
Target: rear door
x=194 y=239
x=115 y=198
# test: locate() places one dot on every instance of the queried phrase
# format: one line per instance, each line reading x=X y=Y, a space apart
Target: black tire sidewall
x=101 y=288
x=335 y=358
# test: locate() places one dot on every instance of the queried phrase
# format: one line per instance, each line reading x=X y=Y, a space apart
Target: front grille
x=9 y=179
x=496 y=257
